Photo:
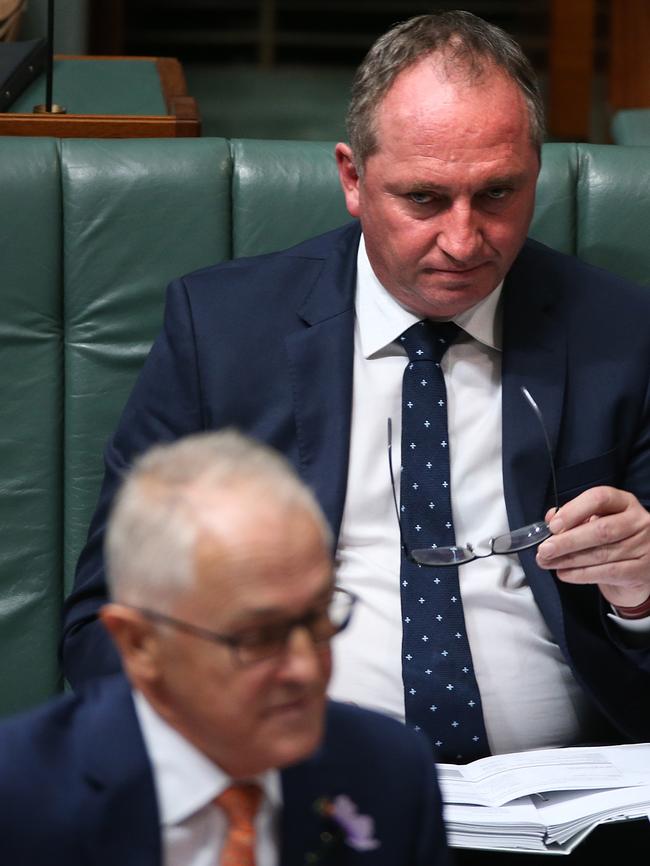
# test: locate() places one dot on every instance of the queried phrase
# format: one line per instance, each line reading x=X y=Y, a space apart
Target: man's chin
x=291 y=747
x=443 y=297
x=296 y=729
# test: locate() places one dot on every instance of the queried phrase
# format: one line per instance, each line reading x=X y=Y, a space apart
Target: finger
x=606 y=533
x=622 y=575
x=601 y=564
x=611 y=573
x=595 y=501
x=613 y=558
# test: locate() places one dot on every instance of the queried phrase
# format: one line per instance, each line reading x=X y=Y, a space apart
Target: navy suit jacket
x=76 y=788
x=266 y=345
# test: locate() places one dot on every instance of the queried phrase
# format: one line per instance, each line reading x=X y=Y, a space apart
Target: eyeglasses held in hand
x=509 y=542
x=267 y=641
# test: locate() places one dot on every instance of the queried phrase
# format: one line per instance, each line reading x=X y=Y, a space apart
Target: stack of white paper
x=546 y=800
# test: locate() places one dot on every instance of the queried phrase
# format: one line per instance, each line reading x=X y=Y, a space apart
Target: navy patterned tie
x=440 y=691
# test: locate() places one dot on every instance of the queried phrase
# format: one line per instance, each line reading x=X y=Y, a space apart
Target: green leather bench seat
x=31 y=429
x=91 y=231
x=134 y=217
x=631 y=126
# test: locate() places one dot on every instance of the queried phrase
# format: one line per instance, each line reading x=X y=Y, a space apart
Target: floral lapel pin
x=346 y=826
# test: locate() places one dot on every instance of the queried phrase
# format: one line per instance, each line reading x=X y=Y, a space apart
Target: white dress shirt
x=530 y=697
x=193 y=828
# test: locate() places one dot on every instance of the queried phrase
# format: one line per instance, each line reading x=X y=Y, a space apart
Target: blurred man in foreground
x=223 y=606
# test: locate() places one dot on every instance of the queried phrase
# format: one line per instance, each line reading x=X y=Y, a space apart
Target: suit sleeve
x=165 y=404
x=635 y=644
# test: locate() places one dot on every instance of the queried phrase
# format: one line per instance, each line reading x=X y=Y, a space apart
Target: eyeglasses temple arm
x=392 y=485
x=533 y=405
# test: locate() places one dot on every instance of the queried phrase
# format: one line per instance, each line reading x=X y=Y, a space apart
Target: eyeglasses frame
x=234 y=643
x=411 y=554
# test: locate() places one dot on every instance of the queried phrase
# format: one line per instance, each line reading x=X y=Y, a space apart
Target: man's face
x=260 y=568
x=446 y=200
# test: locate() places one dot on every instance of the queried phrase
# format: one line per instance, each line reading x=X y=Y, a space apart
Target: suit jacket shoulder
x=76 y=783
x=286 y=276
x=543 y=275
x=262 y=344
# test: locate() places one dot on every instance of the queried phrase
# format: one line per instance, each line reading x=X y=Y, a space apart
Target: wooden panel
x=629 y=68
x=107 y=27
x=571 y=57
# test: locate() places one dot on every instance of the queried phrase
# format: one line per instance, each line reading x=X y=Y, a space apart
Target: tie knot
x=427 y=340
x=240 y=804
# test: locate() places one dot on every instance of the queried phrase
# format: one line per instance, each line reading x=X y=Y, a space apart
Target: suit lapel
x=118 y=814
x=306 y=836
x=534 y=356
x=320 y=365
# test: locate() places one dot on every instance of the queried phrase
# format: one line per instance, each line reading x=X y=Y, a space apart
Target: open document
x=546 y=800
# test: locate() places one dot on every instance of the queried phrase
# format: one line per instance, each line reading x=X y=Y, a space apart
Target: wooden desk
x=108 y=97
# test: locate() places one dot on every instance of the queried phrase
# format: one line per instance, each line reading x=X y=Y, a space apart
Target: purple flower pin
x=358 y=830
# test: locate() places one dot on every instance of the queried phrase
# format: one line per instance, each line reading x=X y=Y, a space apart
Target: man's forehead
x=258 y=549
x=271 y=607
x=426 y=87
x=423 y=131
x=442 y=69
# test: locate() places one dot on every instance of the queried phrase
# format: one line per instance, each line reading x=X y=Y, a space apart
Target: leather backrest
x=31 y=431
x=554 y=222
x=136 y=214
x=591 y=200
x=613 y=209
x=283 y=192
x=631 y=126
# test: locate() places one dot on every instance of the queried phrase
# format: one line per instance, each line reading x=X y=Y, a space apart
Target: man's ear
x=137 y=642
x=349 y=177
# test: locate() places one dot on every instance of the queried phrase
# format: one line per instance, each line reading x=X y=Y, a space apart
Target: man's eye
x=497 y=194
x=261 y=636
x=420 y=197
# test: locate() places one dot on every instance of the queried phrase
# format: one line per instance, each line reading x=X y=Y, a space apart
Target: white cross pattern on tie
x=440 y=691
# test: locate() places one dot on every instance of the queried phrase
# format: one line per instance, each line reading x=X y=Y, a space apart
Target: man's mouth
x=302 y=704
x=456 y=271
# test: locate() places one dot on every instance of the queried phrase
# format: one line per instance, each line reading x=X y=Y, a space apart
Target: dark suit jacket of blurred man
x=76 y=788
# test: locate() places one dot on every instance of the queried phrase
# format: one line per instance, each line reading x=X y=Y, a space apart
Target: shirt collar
x=185 y=779
x=381 y=319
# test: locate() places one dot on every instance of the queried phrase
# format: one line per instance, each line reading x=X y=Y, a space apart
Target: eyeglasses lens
x=521 y=539
x=510 y=542
x=322 y=624
x=443 y=555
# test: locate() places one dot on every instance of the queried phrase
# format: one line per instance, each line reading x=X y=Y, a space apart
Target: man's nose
x=460 y=238
x=303 y=656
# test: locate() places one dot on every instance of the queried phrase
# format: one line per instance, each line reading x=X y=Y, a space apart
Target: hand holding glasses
x=509 y=542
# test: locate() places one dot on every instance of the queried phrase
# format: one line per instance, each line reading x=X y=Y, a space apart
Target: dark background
x=282 y=68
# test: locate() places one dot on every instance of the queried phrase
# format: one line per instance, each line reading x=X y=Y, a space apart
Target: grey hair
x=466 y=44
x=156 y=518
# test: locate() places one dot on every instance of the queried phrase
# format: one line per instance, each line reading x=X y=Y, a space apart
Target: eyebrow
x=501 y=180
x=506 y=179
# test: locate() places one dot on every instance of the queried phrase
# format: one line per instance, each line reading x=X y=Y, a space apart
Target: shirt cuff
x=640 y=626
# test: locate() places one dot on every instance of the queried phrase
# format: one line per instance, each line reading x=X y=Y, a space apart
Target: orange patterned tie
x=240 y=804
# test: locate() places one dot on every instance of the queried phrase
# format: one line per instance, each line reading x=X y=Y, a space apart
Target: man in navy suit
x=219 y=562
x=301 y=349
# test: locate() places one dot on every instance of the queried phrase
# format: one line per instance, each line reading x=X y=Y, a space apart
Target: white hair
x=156 y=518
